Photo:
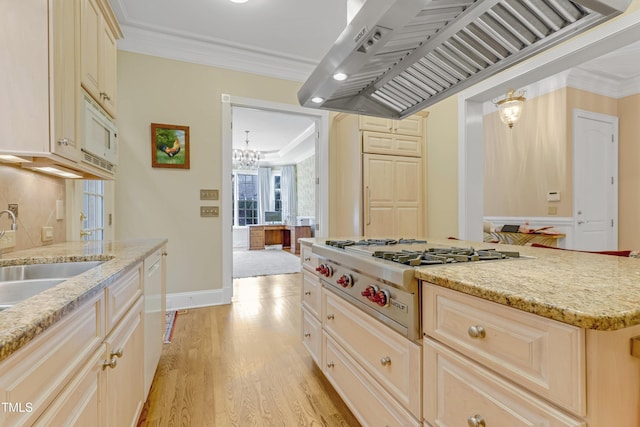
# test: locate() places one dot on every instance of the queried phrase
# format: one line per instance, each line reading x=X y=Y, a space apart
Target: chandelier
x=510 y=108
x=246 y=158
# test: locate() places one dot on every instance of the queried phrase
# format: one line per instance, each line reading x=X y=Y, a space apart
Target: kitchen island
x=546 y=339
x=84 y=350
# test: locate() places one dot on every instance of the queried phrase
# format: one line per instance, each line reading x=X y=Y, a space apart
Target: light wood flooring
x=243 y=364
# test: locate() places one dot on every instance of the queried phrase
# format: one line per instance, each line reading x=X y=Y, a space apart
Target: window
x=245 y=199
x=93 y=208
x=276 y=190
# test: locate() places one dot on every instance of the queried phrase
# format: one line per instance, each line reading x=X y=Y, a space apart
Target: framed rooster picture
x=169 y=146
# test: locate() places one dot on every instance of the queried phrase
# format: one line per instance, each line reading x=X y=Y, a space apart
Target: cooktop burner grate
x=435 y=256
x=371 y=242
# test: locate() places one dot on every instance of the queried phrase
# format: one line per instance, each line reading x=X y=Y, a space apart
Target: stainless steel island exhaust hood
x=401 y=56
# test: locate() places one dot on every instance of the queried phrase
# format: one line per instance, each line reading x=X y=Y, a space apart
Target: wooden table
x=524 y=238
x=285 y=235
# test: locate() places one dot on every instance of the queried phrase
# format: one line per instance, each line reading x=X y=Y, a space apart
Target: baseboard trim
x=184 y=300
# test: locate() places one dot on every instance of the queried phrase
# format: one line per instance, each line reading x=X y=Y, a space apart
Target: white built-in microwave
x=100 y=134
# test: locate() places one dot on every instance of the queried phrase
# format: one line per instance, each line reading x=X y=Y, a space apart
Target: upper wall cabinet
x=42 y=102
x=98 y=45
x=412 y=125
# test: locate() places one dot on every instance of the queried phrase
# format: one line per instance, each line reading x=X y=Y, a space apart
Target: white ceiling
x=285 y=39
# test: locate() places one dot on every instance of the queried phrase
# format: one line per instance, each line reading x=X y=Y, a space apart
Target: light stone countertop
x=26 y=320
x=590 y=291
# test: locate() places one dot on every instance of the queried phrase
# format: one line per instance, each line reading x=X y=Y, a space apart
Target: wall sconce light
x=510 y=108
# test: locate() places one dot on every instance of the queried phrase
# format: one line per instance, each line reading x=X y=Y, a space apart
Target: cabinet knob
x=164 y=254
x=110 y=363
x=476 y=421
x=385 y=361
x=330 y=365
x=117 y=353
x=307 y=334
x=307 y=292
x=307 y=258
x=104 y=95
x=63 y=141
x=330 y=317
x=477 y=331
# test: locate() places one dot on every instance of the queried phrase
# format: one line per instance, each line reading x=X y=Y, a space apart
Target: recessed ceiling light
x=317 y=100
x=340 y=76
x=239 y=1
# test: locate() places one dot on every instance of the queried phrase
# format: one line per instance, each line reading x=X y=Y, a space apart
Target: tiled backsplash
x=36 y=196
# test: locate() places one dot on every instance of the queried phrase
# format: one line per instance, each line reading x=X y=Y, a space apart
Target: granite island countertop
x=26 y=320
x=587 y=290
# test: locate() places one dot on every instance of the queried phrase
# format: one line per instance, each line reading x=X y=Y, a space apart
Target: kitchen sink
x=19 y=282
x=58 y=270
x=14 y=291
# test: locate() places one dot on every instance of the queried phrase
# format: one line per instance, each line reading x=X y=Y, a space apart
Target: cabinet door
x=107 y=71
x=375 y=124
x=80 y=403
x=393 y=196
x=24 y=69
x=154 y=313
x=91 y=22
x=124 y=378
x=66 y=83
x=412 y=125
x=458 y=392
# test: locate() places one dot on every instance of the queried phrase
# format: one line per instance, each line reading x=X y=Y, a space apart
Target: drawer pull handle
x=110 y=363
x=307 y=292
x=385 y=361
x=476 y=421
x=307 y=335
x=330 y=317
x=118 y=353
x=330 y=365
x=477 y=331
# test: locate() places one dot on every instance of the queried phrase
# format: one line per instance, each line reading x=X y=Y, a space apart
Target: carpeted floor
x=248 y=263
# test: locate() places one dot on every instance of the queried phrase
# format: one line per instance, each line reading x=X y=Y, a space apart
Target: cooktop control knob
x=382 y=298
x=346 y=281
x=370 y=292
x=325 y=270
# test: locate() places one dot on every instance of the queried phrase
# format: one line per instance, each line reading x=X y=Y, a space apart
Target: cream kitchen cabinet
x=311 y=303
x=154 y=312
x=98 y=66
x=87 y=369
x=39 y=70
x=412 y=125
x=354 y=140
x=375 y=370
x=487 y=361
x=393 y=201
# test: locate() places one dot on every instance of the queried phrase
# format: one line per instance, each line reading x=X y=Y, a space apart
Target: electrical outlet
x=209 y=211
x=13 y=207
x=8 y=240
x=46 y=234
x=208 y=194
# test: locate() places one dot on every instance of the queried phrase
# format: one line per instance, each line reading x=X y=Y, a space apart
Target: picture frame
x=169 y=146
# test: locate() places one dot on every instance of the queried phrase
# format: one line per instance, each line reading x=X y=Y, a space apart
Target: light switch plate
x=208 y=194
x=209 y=211
x=8 y=240
x=46 y=234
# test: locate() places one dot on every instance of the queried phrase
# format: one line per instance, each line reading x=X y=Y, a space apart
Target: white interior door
x=595 y=181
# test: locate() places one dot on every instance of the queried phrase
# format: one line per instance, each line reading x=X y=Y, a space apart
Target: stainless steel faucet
x=14 y=224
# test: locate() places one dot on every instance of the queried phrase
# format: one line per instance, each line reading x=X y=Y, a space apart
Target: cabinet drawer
x=312 y=336
x=391 y=359
x=545 y=356
x=122 y=294
x=311 y=292
x=370 y=403
x=309 y=260
x=457 y=389
x=37 y=373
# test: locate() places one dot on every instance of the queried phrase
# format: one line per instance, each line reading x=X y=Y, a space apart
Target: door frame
x=321 y=119
x=613 y=202
x=595 y=43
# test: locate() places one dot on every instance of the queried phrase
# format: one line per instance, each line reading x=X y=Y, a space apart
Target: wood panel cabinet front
x=393 y=196
x=459 y=393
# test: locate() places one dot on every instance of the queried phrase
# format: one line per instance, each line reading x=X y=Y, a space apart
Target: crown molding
x=213 y=52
